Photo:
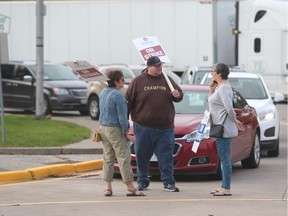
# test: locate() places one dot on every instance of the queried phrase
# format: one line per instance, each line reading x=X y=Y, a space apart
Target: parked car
x=130 y=72
x=62 y=89
x=253 y=88
x=189 y=112
x=127 y=71
x=137 y=69
x=194 y=75
x=94 y=88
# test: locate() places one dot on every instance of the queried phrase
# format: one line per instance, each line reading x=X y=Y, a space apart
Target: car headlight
x=191 y=137
x=59 y=91
x=266 y=115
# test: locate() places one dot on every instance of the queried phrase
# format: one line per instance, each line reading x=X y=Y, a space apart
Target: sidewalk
x=21 y=164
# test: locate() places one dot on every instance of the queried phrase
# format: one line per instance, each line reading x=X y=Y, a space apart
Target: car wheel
x=254 y=159
x=217 y=175
x=274 y=153
x=46 y=106
x=93 y=106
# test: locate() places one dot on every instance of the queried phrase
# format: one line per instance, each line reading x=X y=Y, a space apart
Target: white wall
x=102 y=32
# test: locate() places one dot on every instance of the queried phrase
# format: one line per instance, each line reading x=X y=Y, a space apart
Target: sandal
x=108 y=192
x=222 y=194
x=215 y=191
x=134 y=192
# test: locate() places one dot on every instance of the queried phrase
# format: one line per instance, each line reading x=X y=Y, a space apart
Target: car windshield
x=249 y=88
x=170 y=73
x=128 y=75
x=174 y=76
x=199 y=76
x=57 y=72
x=194 y=102
x=138 y=71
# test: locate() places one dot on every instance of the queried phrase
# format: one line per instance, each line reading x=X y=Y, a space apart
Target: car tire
x=274 y=153
x=253 y=160
x=93 y=107
x=46 y=106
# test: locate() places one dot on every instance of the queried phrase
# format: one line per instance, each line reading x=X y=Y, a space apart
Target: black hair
x=222 y=69
x=114 y=75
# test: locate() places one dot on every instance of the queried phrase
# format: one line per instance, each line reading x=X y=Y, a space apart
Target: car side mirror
x=278 y=97
x=28 y=78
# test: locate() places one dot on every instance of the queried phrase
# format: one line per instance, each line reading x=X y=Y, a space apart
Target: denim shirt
x=113 y=112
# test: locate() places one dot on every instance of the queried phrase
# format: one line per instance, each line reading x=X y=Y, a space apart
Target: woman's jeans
x=158 y=141
x=223 y=148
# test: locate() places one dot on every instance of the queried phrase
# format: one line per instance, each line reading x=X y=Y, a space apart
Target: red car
x=189 y=112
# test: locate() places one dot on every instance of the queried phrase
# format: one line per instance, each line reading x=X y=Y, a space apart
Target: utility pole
x=4 y=58
x=40 y=13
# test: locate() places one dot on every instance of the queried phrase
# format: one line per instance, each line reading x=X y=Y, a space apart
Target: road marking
x=141 y=200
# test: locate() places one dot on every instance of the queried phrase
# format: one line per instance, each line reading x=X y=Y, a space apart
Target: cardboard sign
x=200 y=131
x=150 y=46
x=87 y=71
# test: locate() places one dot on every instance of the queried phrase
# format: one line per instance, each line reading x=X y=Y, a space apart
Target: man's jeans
x=223 y=148
x=158 y=141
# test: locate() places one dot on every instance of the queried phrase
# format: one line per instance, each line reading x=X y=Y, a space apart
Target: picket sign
x=86 y=71
x=200 y=132
x=149 y=46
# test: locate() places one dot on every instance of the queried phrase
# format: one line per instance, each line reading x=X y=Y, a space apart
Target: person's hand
x=212 y=85
x=130 y=137
x=240 y=126
x=176 y=93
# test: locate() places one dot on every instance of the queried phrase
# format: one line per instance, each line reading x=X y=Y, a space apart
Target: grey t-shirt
x=220 y=103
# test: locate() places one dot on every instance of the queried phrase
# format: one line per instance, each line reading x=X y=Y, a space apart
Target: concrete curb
x=49 y=171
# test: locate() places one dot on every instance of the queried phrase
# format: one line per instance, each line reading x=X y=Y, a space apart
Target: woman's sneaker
x=171 y=188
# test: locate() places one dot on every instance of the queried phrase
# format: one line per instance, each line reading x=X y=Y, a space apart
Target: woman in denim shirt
x=114 y=130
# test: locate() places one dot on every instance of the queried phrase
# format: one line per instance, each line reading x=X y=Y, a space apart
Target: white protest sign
x=86 y=70
x=149 y=46
x=200 y=131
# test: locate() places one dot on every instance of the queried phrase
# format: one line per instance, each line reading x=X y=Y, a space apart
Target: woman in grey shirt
x=220 y=104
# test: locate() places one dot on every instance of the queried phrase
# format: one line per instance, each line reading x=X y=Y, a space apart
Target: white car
x=95 y=87
x=254 y=90
x=194 y=74
x=127 y=72
x=137 y=69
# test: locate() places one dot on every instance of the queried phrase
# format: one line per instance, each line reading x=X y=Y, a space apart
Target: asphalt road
x=261 y=191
